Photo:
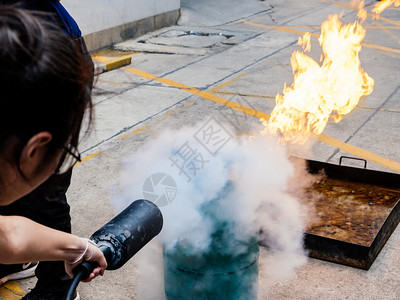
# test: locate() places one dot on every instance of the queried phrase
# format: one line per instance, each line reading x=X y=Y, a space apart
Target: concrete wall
x=104 y=22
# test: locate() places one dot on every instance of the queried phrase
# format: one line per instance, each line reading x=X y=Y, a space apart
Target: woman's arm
x=22 y=240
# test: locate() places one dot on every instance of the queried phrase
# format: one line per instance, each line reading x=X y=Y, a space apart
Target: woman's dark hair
x=45 y=85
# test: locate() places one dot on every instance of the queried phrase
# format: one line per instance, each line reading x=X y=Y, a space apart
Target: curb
x=104 y=64
x=108 y=37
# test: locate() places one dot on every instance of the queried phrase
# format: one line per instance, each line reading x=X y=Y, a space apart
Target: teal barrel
x=227 y=269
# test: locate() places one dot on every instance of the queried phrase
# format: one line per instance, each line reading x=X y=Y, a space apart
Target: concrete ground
x=230 y=67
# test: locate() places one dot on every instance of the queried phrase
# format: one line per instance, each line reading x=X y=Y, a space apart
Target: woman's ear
x=33 y=154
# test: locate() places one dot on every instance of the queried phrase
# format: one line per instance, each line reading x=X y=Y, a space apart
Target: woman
x=47 y=204
x=45 y=90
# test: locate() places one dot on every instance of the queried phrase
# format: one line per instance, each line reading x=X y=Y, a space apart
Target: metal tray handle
x=354 y=158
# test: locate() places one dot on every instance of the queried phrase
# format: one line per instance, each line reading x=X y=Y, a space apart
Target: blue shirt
x=70 y=26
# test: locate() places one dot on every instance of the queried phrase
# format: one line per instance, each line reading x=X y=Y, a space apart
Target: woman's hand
x=36 y=242
x=90 y=252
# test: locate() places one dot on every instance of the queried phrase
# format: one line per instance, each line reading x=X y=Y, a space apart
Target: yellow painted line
x=393 y=8
x=136 y=131
x=11 y=291
x=390 y=164
x=243 y=95
x=298 y=26
x=373 y=16
x=381 y=109
x=239 y=134
x=101 y=59
x=315 y=27
x=281 y=28
x=113 y=53
x=205 y=95
x=383 y=48
x=87 y=158
x=217 y=89
x=102 y=53
x=378 y=17
x=224 y=84
x=390 y=34
x=381 y=27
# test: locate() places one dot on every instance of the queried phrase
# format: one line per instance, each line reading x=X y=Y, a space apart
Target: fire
x=362 y=13
x=319 y=92
x=378 y=8
x=330 y=90
x=381 y=6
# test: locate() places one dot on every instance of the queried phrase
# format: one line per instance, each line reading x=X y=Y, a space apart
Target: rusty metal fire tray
x=356 y=211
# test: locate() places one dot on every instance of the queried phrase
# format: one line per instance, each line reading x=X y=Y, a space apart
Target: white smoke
x=259 y=171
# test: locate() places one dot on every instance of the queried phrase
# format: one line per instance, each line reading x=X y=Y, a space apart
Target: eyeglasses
x=69 y=158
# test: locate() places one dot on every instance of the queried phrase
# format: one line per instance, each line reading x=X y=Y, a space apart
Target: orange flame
x=319 y=92
x=381 y=6
x=362 y=13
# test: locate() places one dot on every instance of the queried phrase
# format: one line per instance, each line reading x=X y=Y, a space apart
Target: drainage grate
x=183 y=40
x=187 y=38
